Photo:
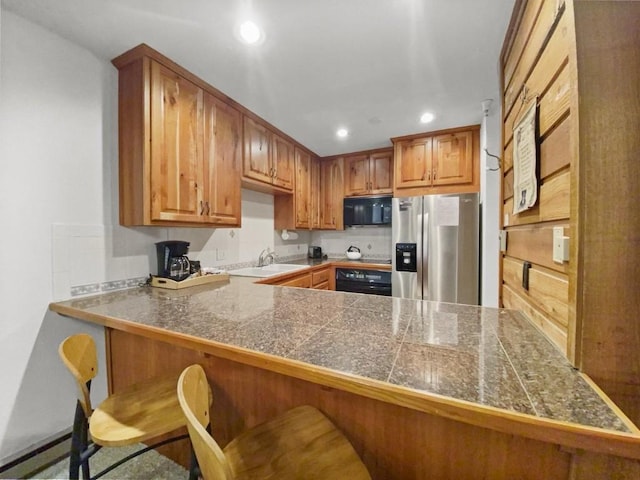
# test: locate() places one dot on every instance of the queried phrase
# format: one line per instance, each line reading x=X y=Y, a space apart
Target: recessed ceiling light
x=250 y=32
x=427 y=117
x=342 y=132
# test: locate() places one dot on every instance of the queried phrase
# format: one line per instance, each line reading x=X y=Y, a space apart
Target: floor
x=149 y=466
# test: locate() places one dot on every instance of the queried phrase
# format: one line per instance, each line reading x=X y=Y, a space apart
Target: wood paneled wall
x=581 y=60
x=535 y=68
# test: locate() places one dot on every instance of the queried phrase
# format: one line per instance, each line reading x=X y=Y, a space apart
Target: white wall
x=60 y=232
x=490 y=198
x=52 y=124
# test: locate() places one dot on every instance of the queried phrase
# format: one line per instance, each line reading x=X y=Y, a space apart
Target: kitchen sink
x=267 y=270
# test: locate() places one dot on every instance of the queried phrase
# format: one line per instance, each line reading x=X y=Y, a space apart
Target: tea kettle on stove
x=353 y=253
x=173 y=262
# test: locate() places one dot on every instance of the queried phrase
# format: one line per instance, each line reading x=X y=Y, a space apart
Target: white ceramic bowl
x=354 y=255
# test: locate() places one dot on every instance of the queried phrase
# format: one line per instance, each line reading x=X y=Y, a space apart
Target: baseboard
x=38 y=457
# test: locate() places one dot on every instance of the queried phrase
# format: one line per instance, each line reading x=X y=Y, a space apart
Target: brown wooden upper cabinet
x=180 y=147
x=331 y=194
x=446 y=161
x=268 y=158
x=368 y=173
x=297 y=211
x=303 y=189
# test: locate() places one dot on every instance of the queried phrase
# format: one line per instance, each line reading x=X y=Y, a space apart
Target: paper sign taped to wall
x=525 y=183
x=447 y=211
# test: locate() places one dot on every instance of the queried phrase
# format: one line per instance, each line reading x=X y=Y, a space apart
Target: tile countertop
x=487 y=356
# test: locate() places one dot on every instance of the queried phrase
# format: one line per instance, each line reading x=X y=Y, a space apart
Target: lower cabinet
x=320 y=279
x=301 y=281
x=313 y=277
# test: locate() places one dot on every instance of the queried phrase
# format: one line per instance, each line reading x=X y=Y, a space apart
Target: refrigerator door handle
x=420 y=253
x=424 y=261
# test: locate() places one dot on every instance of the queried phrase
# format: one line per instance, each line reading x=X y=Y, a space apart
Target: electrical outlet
x=220 y=254
x=560 y=245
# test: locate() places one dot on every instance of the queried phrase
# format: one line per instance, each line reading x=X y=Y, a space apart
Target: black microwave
x=367 y=211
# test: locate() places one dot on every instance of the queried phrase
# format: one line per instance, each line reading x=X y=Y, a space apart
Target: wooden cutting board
x=161 y=282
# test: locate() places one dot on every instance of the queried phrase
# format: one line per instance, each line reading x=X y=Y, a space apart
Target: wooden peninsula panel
x=244 y=396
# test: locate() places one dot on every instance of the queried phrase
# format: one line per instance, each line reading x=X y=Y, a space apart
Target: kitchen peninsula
x=420 y=388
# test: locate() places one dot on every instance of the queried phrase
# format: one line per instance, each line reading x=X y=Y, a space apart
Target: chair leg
x=79 y=437
x=194 y=468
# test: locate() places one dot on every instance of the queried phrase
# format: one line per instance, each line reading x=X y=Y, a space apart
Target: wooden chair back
x=193 y=396
x=78 y=353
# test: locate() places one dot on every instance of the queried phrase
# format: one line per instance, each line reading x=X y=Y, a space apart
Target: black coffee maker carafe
x=172 y=259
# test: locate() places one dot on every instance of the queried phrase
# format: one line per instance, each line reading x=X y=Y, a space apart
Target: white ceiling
x=371 y=66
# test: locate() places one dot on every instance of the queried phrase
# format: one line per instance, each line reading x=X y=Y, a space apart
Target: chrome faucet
x=266 y=257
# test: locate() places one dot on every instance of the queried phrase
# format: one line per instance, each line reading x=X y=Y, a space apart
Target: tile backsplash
x=373 y=242
x=89 y=259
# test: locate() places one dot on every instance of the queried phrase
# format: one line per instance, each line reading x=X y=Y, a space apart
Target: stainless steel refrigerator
x=436 y=252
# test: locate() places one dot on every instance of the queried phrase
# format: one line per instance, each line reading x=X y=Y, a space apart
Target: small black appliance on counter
x=315 y=252
x=173 y=262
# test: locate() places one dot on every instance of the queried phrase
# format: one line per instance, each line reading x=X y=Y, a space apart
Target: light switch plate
x=560 y=245
x=503 y=241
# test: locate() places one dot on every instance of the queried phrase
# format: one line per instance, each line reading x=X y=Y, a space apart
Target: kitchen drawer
x=321 y=286
x=319 y=277
x=303 y=281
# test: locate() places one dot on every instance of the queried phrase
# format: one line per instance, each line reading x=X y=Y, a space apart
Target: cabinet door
x=413 y=163
x=282 y=162
x=303 y=189
x=381 y=173
x=177 y=181
x=320 y=279
x=257 y=151
x=301 y=281
x=453 y=159
x=316 y=195
x=223 y=157
x=356 y=175
x=331 y=189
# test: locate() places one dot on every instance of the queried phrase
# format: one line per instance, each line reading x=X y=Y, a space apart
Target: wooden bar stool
x=136 y=414
x=300 y=444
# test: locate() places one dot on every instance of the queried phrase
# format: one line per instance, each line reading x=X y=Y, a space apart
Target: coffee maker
x=172 y=259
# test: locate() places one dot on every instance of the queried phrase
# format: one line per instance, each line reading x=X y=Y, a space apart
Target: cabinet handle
x=434 y=174
x=201 y=207
x=208 y=209
x=275 y=172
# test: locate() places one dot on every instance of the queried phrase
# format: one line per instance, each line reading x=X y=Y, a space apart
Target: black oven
x=363 y=280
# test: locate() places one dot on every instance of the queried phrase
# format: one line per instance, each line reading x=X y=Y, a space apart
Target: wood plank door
x=303 y=189
x=453 y=159
x=282 y=162
x=356 y=169
x=381 y=173
x=176 y=147
x=257 y=151
x=223 y=158
x=413 y=163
